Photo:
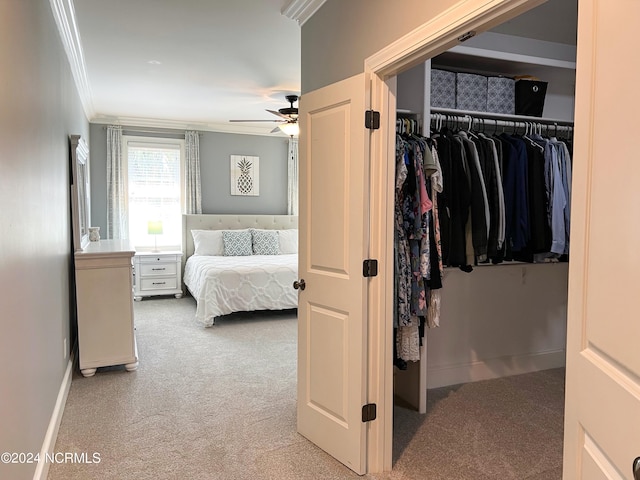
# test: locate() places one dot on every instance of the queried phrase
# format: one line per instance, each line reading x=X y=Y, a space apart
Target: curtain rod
x=171 y=131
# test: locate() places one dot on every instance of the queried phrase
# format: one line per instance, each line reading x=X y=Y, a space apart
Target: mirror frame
x=80 y=199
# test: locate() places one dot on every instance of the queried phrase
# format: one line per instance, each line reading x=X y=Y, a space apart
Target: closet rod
x=479 y=122
x=501 y=116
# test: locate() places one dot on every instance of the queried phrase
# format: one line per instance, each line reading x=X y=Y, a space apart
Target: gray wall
x=40 y=108
x=341 y=35
x=215 y=151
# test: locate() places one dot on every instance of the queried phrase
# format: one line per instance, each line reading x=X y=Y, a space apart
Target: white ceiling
x=188 y=63
x=200 y=63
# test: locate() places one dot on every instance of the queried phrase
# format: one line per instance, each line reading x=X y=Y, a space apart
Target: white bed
x=226 y=284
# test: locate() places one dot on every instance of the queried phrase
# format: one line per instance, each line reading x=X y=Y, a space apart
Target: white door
x=332 y=316
x=602 y=418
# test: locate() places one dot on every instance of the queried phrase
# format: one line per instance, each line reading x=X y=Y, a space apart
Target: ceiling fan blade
x=275 y=130
x=271 y=121
x=286 y=117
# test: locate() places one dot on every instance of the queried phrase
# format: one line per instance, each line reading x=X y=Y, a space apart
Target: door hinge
x=368 y=412
x=372 y=119
x=370 y=268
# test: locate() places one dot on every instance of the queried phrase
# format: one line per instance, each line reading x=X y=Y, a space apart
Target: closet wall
x=503 y=319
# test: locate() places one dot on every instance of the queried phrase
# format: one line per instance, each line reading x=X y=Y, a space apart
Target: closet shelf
x=522 y=61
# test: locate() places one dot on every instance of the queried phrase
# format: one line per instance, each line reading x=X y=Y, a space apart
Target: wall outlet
x=65 y=350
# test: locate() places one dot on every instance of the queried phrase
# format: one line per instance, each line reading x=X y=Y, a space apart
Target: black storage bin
x=530 y=97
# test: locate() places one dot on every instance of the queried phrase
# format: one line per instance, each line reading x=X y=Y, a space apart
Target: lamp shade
x=290 y=129
x=154 y=227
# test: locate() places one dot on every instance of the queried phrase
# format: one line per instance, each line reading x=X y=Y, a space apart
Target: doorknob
x=636 y=469
x=299 y=284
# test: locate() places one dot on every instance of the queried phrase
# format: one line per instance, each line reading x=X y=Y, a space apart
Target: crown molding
x=65 y=17
x=301 y=10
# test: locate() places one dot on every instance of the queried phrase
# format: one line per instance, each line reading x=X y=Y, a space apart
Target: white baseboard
x=494 y=368
x=49 y=443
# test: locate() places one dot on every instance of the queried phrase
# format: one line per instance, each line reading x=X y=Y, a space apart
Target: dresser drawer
x=158 y=258
x=152 y=269
x=169 y=283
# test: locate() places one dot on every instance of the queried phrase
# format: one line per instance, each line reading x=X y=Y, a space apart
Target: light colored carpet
x=220 y=403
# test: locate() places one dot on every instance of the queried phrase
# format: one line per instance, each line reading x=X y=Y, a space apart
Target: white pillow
x=288 y=241
x=207 y=242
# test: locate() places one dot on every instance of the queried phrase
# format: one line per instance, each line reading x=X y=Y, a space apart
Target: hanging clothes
x=455 y=199
x=517 y=204
x=417 y=263
x=465 y=198
x=437 y=269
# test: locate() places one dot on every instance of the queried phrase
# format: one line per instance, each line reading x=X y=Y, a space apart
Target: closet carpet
x=220 y=403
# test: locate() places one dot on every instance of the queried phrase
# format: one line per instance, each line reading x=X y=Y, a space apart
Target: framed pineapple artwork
x=245 y=175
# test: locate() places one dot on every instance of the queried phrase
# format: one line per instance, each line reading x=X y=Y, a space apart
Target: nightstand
x=157 y=273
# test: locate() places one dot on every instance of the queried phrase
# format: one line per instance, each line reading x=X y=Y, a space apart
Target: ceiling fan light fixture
x=290 y=129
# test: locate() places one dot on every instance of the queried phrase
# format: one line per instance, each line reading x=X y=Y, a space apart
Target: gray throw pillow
x=236 y=242
x=265 y=242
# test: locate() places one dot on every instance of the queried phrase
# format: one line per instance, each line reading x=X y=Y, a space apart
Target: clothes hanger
x=469 y=126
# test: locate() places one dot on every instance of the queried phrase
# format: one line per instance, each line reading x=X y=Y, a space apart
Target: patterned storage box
x=443 y=89
x=501 y=95
x=471 y=92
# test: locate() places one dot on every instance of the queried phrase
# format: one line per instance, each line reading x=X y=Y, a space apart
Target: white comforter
x=223 y=285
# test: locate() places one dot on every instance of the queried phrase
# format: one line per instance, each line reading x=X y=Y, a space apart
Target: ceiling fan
x=289 y=117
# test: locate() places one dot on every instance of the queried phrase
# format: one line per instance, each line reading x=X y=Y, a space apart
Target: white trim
x=301 y=10
x=494 y=368
x=426 y=41
x=65 y=17
x=49 y=443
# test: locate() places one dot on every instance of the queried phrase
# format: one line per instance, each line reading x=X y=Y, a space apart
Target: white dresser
x=157 y=273
x=104 y=291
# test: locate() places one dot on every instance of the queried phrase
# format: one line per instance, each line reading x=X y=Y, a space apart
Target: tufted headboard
x=230 y=222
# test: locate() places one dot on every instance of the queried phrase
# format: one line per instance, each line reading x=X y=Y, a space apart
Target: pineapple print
x=245 y=182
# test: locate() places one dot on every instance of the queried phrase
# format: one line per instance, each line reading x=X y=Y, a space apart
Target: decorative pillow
x=207 y=242
x=236 y=242
x=265 y=242
x=288 y=241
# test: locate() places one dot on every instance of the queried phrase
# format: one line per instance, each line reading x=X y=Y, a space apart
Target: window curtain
x=193 y=195
x=117 y=224
x=292 y=200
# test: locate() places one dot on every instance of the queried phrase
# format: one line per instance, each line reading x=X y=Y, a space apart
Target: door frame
x=430 y=39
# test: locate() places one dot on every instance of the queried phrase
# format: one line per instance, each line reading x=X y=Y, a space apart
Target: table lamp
x=154 y=227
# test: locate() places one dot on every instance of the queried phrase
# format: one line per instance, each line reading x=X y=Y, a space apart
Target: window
x=154 y=190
